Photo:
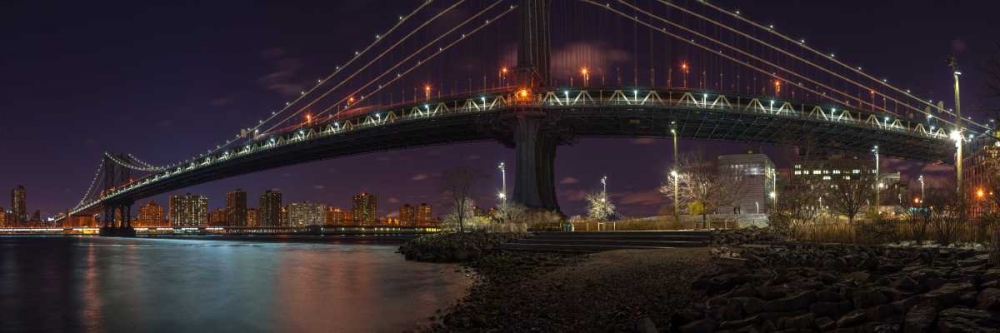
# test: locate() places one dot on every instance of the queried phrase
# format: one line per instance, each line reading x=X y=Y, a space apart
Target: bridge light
x=484 y=99
x=522 y=94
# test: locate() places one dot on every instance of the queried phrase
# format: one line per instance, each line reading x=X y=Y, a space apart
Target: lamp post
x=921 y=180
x=673 y=173
x=503 y=190
x=586 y=76
x=957 y=135
x=878 y=182
x=604 y=192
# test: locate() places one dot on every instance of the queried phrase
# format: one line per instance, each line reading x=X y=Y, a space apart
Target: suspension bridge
x=691 y=70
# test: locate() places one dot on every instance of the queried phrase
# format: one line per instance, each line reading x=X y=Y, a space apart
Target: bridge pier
x=535 y=151
x=122 y=227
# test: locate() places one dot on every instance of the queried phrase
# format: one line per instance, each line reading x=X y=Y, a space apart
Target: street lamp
x=503 y=176
x=878 y=181
x=604 y=192
x=684 y=69
x=957 y=134
x=673 y=173
x=586 y=76
x=921 y=179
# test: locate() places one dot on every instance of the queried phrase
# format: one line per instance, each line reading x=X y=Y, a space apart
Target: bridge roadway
x=536 y=122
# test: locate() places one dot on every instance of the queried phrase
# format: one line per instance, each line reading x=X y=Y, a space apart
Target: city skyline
x=246 y=96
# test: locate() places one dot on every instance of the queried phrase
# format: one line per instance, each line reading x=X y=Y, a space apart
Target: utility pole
x=674 y=173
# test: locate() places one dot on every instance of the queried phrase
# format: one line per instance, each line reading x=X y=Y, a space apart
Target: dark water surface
x=93 y=284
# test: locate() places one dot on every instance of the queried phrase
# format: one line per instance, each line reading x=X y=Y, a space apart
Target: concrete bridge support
x=122 y=227
x=535 y=153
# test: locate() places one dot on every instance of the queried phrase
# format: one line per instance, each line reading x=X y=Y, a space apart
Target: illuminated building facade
x=188 y=210
x=252 y=218
x=757 y=174
x=236 y=208
x=269 y=209
x=217 y=218
x=301 y=214
x=337 y=216
x=980 y=174
x=425 y=216
x=407 y=215
x=150 y=215
x=365 y=208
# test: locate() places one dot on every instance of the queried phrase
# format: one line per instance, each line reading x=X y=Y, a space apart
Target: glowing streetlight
x=503 y=177
x=427 y=92
x=921 y=180
x=604 y=192
x=586 y=76
x=684 y=69
x=676 y=177
x=877 y=180
x=777 y=88
x=957 y=134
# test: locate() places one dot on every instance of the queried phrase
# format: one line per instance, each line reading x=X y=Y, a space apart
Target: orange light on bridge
x=980 y=193
x=777 y=87
x=427 y=92
x=350 y=100
x=586 y=76
x=523 y=94
x=309 y=118
x=503 y=70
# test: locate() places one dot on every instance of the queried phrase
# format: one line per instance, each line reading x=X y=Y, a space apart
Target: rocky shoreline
x=841 y=288
x=454 y=247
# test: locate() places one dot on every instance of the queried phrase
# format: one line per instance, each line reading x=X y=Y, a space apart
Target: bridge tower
x=535 y=142
x=533 y=48
x=115 y=174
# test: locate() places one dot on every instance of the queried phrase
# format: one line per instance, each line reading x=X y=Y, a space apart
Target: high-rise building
x=407 y=215
x=18 y=204
x=365 y=208
x=3 y=217
x=217 y=218
x=269 y=209
x=150 y=215
x=980 y=172
x=424 y=215
x=337 y=216
x=301 y=214
x=188 y=210
x=756 y=173
x=252 y=218
x=236 y=208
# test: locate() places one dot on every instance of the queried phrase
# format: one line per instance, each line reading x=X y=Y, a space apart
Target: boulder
x=829 y=309
x=802 y=322
x=855 y=318
x=920 y=318
x=988 y=299
x=699 y=326
x=868 y=298
x=800 y=301
x=948 y=294
x=966 y=320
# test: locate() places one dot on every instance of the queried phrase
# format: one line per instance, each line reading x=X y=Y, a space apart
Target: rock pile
x=454 y=247
x=751 y=235
x=804 y=288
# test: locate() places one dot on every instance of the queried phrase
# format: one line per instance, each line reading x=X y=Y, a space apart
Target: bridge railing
x=505 y=99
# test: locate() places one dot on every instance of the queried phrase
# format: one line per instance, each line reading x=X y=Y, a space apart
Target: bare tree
x=459 y=184
x=849 y=195
x=702 y=187
x=599 y=207
x=801 y=201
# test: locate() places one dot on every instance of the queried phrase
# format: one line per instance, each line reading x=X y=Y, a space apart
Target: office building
x=188 y=210
x=365 y=208
x=756 y=173
x=980 y=169
x=301 y=214
x=269 y=209
x=236 y=208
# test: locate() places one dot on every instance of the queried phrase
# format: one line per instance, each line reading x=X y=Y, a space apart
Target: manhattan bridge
x=535 y=75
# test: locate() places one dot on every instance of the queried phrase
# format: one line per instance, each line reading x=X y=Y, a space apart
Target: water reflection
x=162 y=285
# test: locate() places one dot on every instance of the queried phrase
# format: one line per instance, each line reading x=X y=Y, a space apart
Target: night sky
x=165 y=80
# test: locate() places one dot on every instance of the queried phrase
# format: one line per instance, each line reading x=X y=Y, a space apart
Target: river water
x=94 y=284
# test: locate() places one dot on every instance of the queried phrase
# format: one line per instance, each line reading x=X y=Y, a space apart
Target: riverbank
x=608 y=291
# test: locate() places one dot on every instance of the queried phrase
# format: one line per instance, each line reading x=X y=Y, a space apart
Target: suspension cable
x=358 y=71
x=421 y=62
x=817 y=52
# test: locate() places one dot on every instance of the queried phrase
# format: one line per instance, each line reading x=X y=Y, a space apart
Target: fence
x=657 y=223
